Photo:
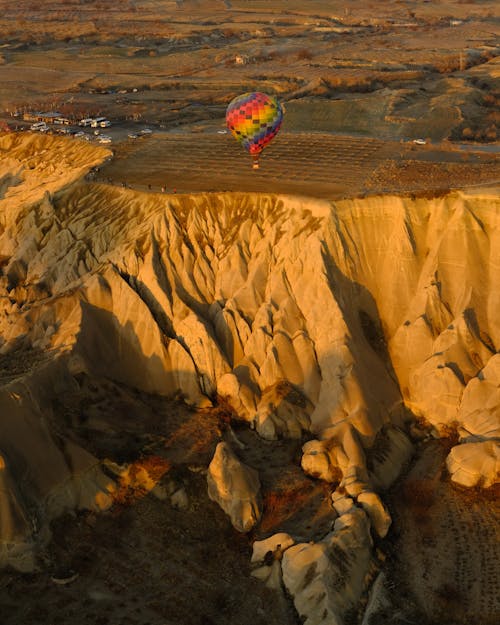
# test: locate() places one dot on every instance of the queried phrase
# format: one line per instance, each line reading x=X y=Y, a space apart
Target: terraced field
x=314 y=164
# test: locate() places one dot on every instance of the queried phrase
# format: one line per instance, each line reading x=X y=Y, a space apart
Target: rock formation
x=266 y=558
x=327 y=578
x=235 y=487
x=341 y=320
x=474 y=464
x=377 y=513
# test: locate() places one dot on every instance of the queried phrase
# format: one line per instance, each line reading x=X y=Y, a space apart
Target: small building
x=48 y=117
x=31 y=116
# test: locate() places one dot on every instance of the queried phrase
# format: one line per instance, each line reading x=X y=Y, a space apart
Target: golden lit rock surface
x=339 y=321
x=235 y=487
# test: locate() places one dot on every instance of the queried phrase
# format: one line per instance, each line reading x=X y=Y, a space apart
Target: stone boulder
x=282 y=411
x=339 y=458
x=472 y=464
x=342 y=503
x=317 y=462
x=266 y=558
x=326 y=579
x=377 y=513
x=479 y=413
x=235 y=487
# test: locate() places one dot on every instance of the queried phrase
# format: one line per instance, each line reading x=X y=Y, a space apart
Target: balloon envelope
x=254 y=119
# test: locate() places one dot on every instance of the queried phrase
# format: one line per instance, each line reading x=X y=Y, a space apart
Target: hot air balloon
x=254 y=120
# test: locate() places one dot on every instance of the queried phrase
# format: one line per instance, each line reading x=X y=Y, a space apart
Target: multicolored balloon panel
x=254 y=119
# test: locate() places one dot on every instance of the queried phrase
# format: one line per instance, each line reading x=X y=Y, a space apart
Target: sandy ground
x=145 y=564
x=146 y=561
x=446 y=545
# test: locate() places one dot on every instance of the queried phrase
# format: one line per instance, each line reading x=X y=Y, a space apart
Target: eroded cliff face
x=342 y=321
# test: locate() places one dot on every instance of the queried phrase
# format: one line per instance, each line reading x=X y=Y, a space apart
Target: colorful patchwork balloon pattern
x=254 y=120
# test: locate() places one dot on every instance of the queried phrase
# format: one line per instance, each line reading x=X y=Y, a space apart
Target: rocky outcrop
x=377 y=513
x=327 y=578
x=42 y=474
x=476 y=461
x=390 y=452
x=474 y=464
x=338 y=319
x=479 y=412
x=341 y=458
x=266 y=559
x=283 y=411
x=235 y=487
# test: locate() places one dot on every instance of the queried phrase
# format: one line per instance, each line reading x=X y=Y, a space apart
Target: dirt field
x=147 y=561
x=350 y=100
x=314 y=164
x=179 y=63
x=461 y=525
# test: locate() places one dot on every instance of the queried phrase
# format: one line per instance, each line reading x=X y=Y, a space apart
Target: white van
x=95 y=122
x=39 y=126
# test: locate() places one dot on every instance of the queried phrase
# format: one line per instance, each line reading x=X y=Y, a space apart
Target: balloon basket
x=255 y=165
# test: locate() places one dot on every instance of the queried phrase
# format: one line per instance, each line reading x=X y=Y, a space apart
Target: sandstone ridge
x=341 y=321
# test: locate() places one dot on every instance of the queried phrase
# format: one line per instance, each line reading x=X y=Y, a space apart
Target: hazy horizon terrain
x=249 y=396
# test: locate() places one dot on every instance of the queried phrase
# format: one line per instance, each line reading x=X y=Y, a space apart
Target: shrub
x=491 y=134
x=419 y=497
x=304 y=54
x=449 y=594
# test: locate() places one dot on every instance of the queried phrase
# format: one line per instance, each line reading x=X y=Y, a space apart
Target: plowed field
x=313 y=164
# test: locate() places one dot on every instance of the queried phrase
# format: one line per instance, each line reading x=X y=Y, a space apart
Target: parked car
x=419 y=141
